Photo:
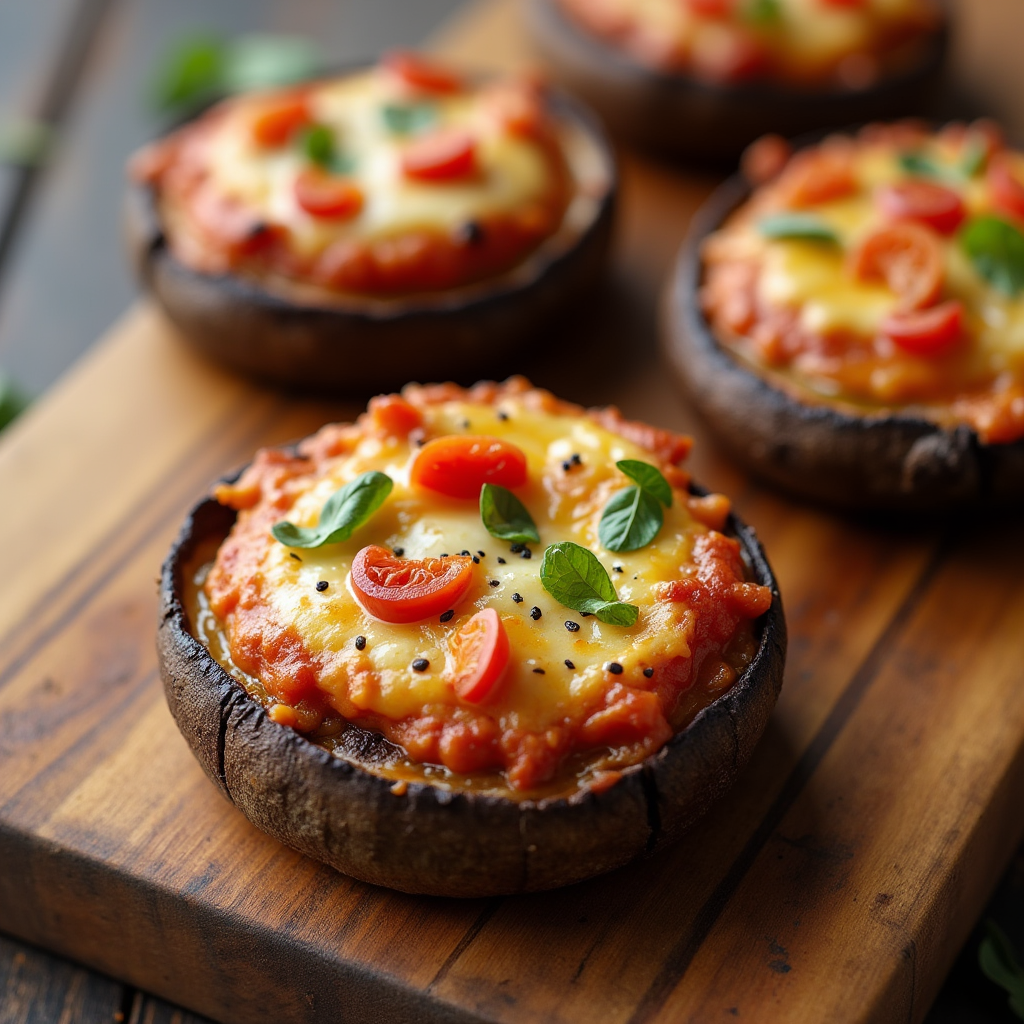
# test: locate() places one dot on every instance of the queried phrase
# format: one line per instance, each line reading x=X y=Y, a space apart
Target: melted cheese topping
x=797 y=41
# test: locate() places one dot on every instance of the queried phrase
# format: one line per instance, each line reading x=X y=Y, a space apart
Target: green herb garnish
x=344 y=511
x=763 y=12
x=574 y=577
x=505 y=516
x=996 y=248
x=632 y=519
x=319 y=146
x=998 y=961
x=921 y=164
x=408 y=118
x=804 y=227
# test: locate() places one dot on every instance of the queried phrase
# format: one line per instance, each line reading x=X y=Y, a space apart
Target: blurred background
x=82 y=83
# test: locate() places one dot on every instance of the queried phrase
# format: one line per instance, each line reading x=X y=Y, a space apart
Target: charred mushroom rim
x=400 y=220
x=701 y=79
x=851 y=329
x=520 y=714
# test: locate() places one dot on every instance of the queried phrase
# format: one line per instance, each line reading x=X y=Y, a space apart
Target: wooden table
x=836 y=881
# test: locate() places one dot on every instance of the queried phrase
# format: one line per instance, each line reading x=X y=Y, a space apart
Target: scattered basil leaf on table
x=343 y=512
x=996 y=249
x=505 y=516
x=575 y=577
x=998 y=962
x=803 y=227
x=633 y=517
x=408 y=118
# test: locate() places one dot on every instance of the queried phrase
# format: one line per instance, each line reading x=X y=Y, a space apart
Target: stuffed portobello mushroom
x=481 y=641
x=852 y=327
x=395 y=221
x=701 y=79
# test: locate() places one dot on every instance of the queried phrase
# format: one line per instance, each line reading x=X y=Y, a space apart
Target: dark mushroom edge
x=299 y=336
x=429 y=840
x=872 y=462
x=680 y=117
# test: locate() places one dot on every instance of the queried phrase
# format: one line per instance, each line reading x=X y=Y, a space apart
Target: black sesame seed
x=569 y=664
x=617 y=568
x=420 y=665
x=476 y=561
x=257 y=228
x=398 y=552
x=573 y=627
x=576 y=459
x=448 y=615
x=535 y=613
x=482 y=554
x=501 y=561
x=614 y=667
x=322 y=585
x=516 y=548
x=360 y=643
x=566 y=466
x=420 y=442
x=648 y=671
x=502 y=416
x=291 y=554
x=494 y=583
x=444 y=554
x=518 y=598
x=469 y=233
x=463 y=552
x=526 y=553
x=539 y=671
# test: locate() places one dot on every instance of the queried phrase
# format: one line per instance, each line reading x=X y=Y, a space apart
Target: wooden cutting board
x=835 y=883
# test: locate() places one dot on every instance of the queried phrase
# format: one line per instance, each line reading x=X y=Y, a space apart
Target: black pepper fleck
x=566 y=466
x=573 y=627
x=398 y=552
x=569 y=664
x=463 y=552
x=420 y=665
x=539 y=671
x=291 y=554
x=535 y=613
x=482 y=554
x=444 y=554
x=585 y=615
x=466 y=424
x=448 y=615
x=617 y=568
x=502 y=416
x=469 y=233
x=516 y=548
x=577 y=459
x=420 y=442
x=476 y=561
x=648 y=671
x=360 y=643
x=614 y=667
x=526 y=553
x=501 y=561
x=494 y=583
x=518 y=598
x=322 y=585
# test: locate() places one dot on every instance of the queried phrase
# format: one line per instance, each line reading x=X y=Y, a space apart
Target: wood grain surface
x=835 y=883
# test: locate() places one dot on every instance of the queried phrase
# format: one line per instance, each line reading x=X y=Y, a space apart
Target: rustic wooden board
x=835 y=882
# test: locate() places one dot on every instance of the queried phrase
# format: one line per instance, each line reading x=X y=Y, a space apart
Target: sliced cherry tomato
x=922 y=201
x=926 y=332
x=278 y=121
x=1006 y=184
x=440 y=156
x=324 y=195
x=711 y=8
x=459 y=465
x=408 y=589
x=394 y=415
x=480 y=655
x=421 y=73
x=908 y=258
x=818 y=176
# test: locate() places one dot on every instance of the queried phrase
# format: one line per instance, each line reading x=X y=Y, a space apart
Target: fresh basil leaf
x=505 y=516
x=13 y=402
x=921 y=164
x=574 y=577
x=998 y=962
x=190 y=72
x=996 y=248
x=344 y=511
x=408 y=118
x=317 y=144
x=649 y=478
x=630 y=520
x=261 y=61
x=763 y=12
x=804 y=227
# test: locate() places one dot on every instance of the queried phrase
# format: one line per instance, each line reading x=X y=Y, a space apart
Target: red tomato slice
x=908 y=258
x=927 y=332
x=458 y=466
x=922 y=201
x=1005 y=184
x=408 y=589
x=421 y=73
x=440 y=156
x=818 y=176
x=480 y=655
x=278 y=121
x=324 y=195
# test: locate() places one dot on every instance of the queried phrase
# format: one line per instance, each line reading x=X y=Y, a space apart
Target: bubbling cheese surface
x=558 y=676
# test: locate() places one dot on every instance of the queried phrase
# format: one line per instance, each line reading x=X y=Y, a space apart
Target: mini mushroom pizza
x=703 y=78
x=287 y=230
x=490 y=597
x=868 y=299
